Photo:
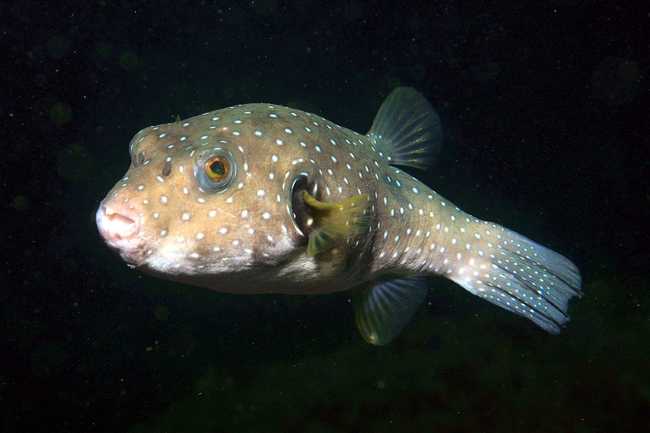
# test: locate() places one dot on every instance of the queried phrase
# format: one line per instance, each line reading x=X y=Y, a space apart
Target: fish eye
x=215 y=170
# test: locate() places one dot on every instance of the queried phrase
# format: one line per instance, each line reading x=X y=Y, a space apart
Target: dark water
x=545 y=111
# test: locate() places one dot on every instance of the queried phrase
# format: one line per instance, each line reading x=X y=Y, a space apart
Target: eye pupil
x=218 y=168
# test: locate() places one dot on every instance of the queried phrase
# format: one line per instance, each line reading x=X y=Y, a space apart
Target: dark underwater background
x=544 y=106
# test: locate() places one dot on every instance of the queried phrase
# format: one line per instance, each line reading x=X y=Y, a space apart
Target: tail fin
x=520 y=275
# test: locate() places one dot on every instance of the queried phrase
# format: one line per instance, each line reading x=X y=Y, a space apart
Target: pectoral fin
x=335 y=222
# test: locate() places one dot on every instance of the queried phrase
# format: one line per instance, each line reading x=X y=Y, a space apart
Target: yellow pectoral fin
x=335 y=222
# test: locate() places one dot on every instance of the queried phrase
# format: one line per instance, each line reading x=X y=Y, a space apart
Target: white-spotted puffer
x=261 y=198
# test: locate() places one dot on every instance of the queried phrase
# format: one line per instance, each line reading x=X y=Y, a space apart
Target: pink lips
x=120 y=228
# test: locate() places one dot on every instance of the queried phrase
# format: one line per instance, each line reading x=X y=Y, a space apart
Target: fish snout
x=117 y=223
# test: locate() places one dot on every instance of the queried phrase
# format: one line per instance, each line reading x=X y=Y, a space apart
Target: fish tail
x=521 y=276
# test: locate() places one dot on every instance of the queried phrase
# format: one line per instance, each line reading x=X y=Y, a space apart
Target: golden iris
x=217 y=168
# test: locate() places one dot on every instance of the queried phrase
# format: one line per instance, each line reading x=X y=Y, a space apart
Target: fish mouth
x=120 y=227
x=301 y=213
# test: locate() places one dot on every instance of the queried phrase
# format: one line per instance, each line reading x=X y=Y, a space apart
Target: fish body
x=262 y=198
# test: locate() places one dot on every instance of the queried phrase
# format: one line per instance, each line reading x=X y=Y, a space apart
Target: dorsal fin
x=406 y=129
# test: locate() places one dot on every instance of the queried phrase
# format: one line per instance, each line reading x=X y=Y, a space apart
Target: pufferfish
x=263 y=198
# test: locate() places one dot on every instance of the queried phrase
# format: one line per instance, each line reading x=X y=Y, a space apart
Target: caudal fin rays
x=523 y=277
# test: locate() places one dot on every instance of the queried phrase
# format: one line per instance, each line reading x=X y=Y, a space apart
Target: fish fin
x=523 y=277
x=335 y=222
x=406 y=129
x=382 y=311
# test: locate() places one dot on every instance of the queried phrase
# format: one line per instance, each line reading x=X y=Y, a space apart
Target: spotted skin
x=246 y=238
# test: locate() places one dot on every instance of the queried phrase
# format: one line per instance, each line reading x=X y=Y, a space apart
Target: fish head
x=212 y=195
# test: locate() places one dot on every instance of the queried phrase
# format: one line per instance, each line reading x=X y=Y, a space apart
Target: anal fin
x=382 y=311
